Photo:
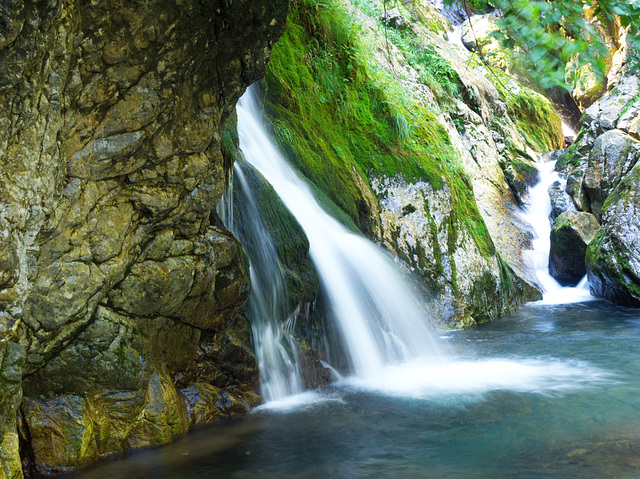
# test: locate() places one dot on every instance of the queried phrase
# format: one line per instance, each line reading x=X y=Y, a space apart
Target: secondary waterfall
x=267 y=305
x=538 y=216
x=380 y=321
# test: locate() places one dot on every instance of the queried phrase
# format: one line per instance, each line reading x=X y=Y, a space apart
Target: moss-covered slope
x=355 y=103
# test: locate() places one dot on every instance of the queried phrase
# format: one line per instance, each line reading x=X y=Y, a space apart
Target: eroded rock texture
x=120 y=302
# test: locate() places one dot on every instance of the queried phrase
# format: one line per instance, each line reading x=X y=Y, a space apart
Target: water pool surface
x=574 y=412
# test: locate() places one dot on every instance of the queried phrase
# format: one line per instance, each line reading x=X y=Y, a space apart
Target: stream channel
x=549 y=391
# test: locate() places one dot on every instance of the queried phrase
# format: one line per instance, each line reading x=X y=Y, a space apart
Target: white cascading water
x=537 y=216
x=267 y=305
x=386 y=333
x=381 y=322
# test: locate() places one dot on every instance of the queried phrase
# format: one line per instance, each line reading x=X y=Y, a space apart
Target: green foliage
x=553 y=33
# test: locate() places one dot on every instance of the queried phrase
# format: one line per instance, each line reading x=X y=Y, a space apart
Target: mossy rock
x=289 y=239
x=335 y=119
x=571 y=233
x=534 y=116
x=612 y=257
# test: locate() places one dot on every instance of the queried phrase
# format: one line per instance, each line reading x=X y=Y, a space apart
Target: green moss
x=229 y=142
x=332 y=111
x=534 y=116
x=566 y=159
x=433 y=70
x=524 y=168
x=594 y=251
x=433 y=229
x=466 y=210
x=484 y=292
x=536 y=120
x=337 y=116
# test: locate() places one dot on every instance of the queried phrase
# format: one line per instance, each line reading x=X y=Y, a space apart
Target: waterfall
x=537 y=215
x=380 y=321
x=267 y=305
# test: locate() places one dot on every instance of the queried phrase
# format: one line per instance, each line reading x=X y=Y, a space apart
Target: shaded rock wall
x=119 y=301
x=571 y=233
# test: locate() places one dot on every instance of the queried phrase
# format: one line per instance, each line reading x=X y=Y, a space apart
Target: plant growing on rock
x=553 y=34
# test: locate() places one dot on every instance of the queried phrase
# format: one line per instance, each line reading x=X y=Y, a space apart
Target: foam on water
x=472 y=378
x=305 y=400
x=537 y=215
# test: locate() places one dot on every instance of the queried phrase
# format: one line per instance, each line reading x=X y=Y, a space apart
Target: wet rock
x=12 y=358
x=575 y=189
x=521 y=174
x=289 y=239
x=470 y=285
x=206 y=402
x=570 y=235
x=561 y=202
x=613 y=257
x=64 y=422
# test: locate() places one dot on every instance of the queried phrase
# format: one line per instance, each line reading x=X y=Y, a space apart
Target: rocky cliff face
x=120 y=299
x=603 y=171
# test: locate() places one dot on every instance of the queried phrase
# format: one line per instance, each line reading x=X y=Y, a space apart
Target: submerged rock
x=570 y=235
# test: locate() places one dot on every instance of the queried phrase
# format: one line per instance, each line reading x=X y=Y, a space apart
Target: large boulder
x=603 y=172
x=613 y=257
x=619 y=109
x=570 y=235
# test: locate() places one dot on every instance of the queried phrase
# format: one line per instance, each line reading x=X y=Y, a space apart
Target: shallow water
x=564 y=403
